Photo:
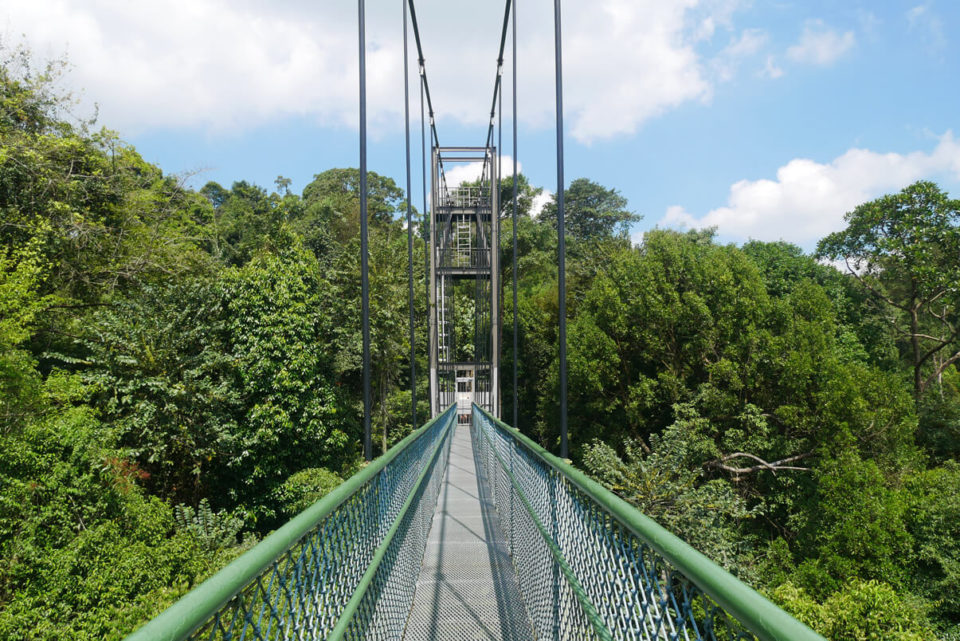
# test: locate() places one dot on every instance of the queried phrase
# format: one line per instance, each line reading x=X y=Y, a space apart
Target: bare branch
x=773 y=466
x=939 y=370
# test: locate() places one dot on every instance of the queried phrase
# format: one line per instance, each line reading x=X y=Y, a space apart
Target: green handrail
x=590 y=610
x=754 y=611
x=346 y=617
x=197 y=607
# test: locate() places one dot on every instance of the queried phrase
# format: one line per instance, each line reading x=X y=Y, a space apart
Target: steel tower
x=464 y=285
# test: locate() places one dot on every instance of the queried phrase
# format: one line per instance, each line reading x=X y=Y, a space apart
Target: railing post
x=513 y=449
x=554 y=527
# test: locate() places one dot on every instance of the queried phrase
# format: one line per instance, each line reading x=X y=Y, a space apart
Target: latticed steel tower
x=464 y=285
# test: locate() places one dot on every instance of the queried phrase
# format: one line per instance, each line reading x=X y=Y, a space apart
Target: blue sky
x=766 y=119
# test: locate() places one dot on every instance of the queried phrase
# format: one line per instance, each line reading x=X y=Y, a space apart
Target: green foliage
x=246 y=220
x=526 y=193
x=163 y=347
x=902 y=248
x=28 y=100
x=591 y=211
x=84 y=553
x=939 y=418
x=219 y=387
x=668 y=485
x=866 y=538
x=20 y=303
x=933 y=519
x=305 y=488
x=295 y=415
x=339 y=189
x=161 y=370
x=212 y=530
x=859 y=611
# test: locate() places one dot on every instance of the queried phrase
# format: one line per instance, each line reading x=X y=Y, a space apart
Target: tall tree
x=591 y=211
x=905 y=250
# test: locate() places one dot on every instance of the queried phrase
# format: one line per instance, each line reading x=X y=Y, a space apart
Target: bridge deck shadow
x=467 y=588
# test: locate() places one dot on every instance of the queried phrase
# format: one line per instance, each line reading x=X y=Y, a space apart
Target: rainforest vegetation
x=180 y=373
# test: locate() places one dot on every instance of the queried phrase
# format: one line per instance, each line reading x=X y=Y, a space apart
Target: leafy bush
x=859 y=611
x=667 y=484
x=845 y=538
x=84 y=553
x=212 y=529
x=933 y=519
x=305 y=488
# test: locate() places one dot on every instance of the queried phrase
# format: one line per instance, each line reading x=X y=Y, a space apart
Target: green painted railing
x=591 y=566
x=346 y=567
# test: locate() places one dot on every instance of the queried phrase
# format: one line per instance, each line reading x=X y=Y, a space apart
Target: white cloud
x=748 y=44
x=539 y=202
x=771 y=70
x=928 y=25
x=808 y=199
x=464 y=172
x=820 y=45
x=625 y=61
x=210 y=63
x=230 y=65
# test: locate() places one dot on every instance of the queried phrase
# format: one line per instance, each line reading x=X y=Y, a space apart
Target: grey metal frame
x=481 y=211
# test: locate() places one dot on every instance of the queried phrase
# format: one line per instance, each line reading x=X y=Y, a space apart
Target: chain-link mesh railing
x=590 y=566
x=345 y=568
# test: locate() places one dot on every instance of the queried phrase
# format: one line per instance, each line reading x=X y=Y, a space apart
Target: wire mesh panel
x=586 y=572
x=385 y=602
x=345 y=568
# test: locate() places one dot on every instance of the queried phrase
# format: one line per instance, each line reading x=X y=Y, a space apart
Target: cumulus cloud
x=229 y=65
x=208 y=63
x=465 y=172
x=808 y=199
x=820 y=45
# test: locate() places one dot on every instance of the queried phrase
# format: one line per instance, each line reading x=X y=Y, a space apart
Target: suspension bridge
x=467 y=529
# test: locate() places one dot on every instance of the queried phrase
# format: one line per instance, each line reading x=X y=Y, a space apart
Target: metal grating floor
x=467 y=587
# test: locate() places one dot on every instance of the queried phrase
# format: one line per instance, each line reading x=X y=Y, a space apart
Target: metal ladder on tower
x=443 y=327
x=464 y=242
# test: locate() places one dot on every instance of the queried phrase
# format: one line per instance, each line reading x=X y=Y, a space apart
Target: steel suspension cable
x=561 y=233
x=406 y=124
x=435 y=139
x=425 y=232
x=515 y=424
x=499 y=292
x=364 y=276
x=497 y=80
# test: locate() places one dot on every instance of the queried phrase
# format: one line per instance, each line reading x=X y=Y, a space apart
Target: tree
x=20 y=304
x=526 y=193
x=905 y=250
x=246 y=219
x=340 y=189
x=591 y=211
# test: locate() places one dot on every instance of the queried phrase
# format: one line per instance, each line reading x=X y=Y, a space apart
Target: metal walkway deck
x=467 y=587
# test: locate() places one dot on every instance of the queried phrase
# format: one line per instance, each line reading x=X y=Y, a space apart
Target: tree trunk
x=915 y=340
x=915 y=343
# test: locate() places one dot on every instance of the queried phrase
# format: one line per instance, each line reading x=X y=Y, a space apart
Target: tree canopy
x=180 y=373
x=905 y=250
x=591 y=211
